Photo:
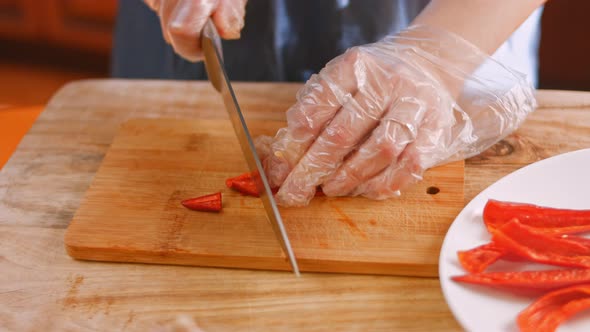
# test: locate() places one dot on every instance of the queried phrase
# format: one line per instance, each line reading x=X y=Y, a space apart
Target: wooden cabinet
x=86 y=24
x=18 y=19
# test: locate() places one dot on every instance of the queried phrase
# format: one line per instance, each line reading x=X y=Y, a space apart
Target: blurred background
x=44 y=44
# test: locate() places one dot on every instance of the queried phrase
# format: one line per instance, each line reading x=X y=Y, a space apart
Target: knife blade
x=211 y=46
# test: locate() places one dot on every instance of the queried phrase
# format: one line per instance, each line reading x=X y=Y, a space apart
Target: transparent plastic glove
x=375 y=118
x=183 y=20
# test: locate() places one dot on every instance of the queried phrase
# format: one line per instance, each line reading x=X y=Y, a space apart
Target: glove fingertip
x=229 y=19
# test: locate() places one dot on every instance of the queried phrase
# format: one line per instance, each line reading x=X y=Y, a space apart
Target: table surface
x=41 y=186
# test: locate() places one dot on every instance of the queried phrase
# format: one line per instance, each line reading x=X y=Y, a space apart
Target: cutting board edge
x=180 y=257
x=174 y=257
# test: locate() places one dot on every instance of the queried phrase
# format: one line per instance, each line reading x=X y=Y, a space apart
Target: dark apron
x=283 y=40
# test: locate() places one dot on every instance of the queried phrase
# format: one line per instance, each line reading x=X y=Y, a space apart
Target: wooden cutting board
x=132 y=211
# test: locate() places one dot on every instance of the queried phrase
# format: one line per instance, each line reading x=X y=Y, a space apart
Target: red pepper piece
x=552 y=309
x=551 y=220
x=243 y=183
x=479 y=258
x=537 y=246
x=242 y=177
x=246 y=185
x=528 y=280
x=211 y=203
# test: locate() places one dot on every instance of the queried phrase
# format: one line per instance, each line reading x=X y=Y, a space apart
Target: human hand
x=182 y=22
x=375 y=118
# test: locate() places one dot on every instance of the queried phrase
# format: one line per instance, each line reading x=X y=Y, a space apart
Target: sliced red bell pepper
x=528 y=280
x=479 y=258
x=240 y=178
x=244 y=184
x=552 y=309
x=537 y=246
x=551 y=220
x=247 y=187
x=211 y=203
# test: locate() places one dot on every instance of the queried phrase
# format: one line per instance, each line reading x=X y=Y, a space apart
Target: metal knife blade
x=211 y=45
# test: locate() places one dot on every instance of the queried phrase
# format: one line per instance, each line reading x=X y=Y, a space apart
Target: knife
x=211 y=46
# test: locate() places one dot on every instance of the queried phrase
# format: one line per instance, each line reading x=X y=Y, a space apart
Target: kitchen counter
x=42 y=185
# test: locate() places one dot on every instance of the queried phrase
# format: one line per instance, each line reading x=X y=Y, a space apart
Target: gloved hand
x=375 y=118
x=183 y=20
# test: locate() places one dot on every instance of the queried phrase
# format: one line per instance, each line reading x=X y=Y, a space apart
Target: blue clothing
x=286 y=40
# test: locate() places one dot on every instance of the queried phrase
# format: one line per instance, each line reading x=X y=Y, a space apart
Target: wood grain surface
x=42 y=185
x=132 y=211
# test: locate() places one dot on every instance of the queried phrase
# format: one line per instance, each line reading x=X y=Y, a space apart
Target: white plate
x=562 y=181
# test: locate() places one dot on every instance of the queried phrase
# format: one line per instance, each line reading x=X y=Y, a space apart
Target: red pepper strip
x=552 y=309
x=534 y=245
x=479 y=258
x=210 y=203
x=555 y=221
x=528 y=280
x=245 y=184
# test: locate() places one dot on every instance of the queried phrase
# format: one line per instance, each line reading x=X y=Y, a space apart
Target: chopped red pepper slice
x=534 y=245
x=552 y=309
x=479 y=258
x=551 y=220
x=240 y=178
x=247 y=187
x=528 y=280
x=244 y=184
x=210 y=203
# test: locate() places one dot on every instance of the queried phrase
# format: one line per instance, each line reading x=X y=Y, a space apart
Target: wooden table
x=41 y=288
